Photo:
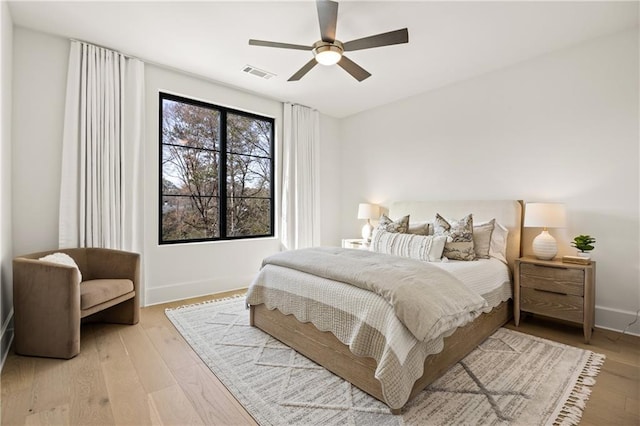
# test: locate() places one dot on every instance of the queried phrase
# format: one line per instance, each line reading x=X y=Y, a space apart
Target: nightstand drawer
x=556 y=305
x=557 y=280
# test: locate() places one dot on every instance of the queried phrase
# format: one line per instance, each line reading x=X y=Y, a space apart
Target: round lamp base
x=544 y=246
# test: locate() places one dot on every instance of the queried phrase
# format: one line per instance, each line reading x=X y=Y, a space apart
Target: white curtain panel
x=101 y=154
x=300 y=177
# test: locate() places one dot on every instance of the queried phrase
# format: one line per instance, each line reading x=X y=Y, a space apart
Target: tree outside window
x=216 y=172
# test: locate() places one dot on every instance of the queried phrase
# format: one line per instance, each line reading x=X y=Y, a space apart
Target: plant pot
x=584 y=254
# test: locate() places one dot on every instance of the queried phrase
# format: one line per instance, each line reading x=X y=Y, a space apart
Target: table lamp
x=545 y=215
x=368 y=211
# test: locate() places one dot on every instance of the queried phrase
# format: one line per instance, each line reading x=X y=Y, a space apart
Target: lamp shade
x=545 y=215
x=368 y=211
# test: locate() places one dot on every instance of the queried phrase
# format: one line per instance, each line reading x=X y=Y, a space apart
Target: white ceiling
x=448 y=41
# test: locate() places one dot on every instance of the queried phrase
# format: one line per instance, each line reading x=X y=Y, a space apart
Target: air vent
x=249 y=69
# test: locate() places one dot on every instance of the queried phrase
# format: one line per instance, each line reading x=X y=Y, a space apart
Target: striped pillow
x=421 y=247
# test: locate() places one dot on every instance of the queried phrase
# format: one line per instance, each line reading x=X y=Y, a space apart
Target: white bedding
x=488 y=277
x=352 y=314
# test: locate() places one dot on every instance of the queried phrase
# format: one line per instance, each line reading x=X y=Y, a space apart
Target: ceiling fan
x=329 y=51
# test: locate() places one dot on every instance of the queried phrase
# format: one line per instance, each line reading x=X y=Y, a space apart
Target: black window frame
x=222 y=172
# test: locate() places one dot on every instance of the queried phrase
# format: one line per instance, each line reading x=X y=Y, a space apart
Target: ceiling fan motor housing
x=328 y=53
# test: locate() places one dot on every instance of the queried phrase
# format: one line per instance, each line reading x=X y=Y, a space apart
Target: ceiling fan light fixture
x=328 y=53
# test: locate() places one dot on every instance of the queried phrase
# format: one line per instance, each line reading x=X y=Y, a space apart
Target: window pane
x=190 y=125
x=248 y=135
x=188 y=171
x=248 y=217
x=248 y=176
x=187 y=218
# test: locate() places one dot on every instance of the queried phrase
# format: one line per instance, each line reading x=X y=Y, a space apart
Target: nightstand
x=355 y=243
x=554 y=289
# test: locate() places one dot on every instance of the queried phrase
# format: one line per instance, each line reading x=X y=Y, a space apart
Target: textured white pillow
x=61 y=259
x=498 y=246
x=482 y=238
x=420 y=228
x=421 y=247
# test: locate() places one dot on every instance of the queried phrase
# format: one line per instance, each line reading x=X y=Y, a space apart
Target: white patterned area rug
x=512 y=378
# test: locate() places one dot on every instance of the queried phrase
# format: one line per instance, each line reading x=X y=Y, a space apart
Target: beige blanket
x=426 y=299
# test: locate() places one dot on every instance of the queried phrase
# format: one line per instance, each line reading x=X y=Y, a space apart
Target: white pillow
x=62 y=259
x=482 y=233
x=421 y=247
x=498 y=246
x=420 y=228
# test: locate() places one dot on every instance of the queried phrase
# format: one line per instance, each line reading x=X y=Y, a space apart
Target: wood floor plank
x=152 y=371
x=606 y=407
x=17 y=374
x=129 y=401
x=171 y=347
x=54 y=416
x=16 y=406
x=153 y=412
x=51 y=384
x=211 y=399
x=623 y=377
x=109 y=342
x=174 y=407
x=89 y=399
x=632 y=406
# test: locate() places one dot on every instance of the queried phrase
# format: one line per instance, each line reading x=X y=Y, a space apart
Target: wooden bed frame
x=325 y=349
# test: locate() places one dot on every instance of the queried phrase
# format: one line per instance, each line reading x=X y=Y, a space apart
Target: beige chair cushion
x=95 y=292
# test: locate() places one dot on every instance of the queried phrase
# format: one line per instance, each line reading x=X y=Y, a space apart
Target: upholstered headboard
x=506 y=212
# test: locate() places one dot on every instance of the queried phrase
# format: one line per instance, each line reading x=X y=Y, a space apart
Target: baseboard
x=6 y=338
x=617 y=320
x=181 y=291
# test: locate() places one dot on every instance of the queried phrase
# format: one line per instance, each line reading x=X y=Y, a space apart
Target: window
x=216 y=172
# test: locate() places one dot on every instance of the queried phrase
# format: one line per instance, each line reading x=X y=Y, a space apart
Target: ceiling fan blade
x=354 y=69
x=302 y=71
x=328 y=17
x=279 y=45
x=379 y=40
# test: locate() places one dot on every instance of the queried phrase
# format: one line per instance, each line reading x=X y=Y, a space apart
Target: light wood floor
x=147 y=374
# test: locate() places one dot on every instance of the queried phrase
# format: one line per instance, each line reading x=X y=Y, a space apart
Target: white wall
x=39 y=85
x=6 y=239
x=561 y=127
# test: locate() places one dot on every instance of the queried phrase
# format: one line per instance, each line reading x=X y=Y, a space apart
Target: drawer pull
x=549 y=291
x=551 y=266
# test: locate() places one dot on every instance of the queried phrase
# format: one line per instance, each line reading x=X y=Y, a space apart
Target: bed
x=339 y=326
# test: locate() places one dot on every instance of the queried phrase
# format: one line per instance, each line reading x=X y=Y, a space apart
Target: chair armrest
x=46 y=303
x=44 y=286
x=109 y=263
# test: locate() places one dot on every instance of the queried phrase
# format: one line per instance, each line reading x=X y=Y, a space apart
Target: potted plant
x=584 y=243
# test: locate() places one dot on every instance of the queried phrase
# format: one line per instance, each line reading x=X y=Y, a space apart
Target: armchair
x=50 y=300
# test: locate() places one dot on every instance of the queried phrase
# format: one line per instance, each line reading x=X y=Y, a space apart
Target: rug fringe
x=207 y=302
x=571 y=411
